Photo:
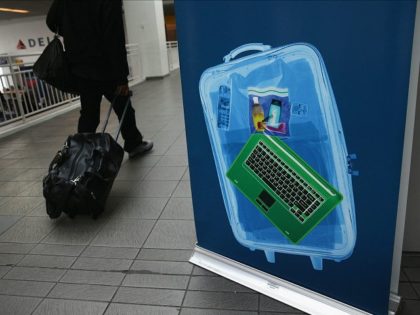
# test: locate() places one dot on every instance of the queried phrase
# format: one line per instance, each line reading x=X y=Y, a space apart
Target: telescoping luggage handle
x=244 y=48
x=130 y=93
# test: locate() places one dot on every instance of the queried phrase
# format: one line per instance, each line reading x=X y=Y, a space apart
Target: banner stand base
x=394 y=304
x=276 y=288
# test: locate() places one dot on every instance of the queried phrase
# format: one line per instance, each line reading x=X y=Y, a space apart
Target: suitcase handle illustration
x=244 y=48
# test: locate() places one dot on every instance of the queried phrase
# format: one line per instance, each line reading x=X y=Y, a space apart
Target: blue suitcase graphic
x=304 y=115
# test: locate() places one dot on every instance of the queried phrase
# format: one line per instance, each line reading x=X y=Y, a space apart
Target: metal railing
x=173 y=56
x=134 y=63
x=22 y=93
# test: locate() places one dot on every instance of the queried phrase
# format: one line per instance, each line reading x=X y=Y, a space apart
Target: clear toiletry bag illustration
x=285 y=93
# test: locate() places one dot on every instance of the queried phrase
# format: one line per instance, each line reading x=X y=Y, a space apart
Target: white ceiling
x=36 y=8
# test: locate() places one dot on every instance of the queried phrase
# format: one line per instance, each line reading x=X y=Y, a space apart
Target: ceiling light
x=14 y=10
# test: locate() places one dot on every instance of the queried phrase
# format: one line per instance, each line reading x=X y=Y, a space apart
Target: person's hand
x=122 y=89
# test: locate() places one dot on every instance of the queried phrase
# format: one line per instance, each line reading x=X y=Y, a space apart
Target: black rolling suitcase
x=81 y=175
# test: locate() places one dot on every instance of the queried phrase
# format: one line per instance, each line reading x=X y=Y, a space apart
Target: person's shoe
x=143 y=147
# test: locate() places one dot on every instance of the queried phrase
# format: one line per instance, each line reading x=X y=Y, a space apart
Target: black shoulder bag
x=53 y=68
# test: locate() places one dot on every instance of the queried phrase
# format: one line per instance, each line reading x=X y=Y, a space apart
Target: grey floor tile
x=162 y=267
x=20 y=205
x=165 y=254
x=162 y=137
x=10 y=174
x=177 y=150
x=222 y=300
x=403 y=276
x=270 y=305
x=10 y=144
x=8 y=163
x=154 y=188
x=41 y=163
x=124 y=233
x=110 y=252
x=416 y=287
x=406 y=291
x=409 y=307
x=130 y=309
x=36 y=274
x=34 y=190
x=35 y=174
x=137 y=208
x=14 y=305
x=178 y=209
x=217 y=284
x=101 y=264
x=186 y=176
x=59 y=250
x=15 y=248
x=7 y=221
x=47 y=261
x=413 y=274
x=28 y=230
x=124 y=188
x=195 y=311
x=39 y=211
x=156 y=281
x=173 y=160
x=149 y=296
x=73 y=233
x=172 y=235
x=144 y=161
x=25 y=288
x=166 y=173
x=17 y=154
x=167 y=136
x=10 y=259
x=4 y=152
x=83 y=292
x=410 y=260
x=93 y=277
x=174 y=125
x=131 y=172
x=183 y=189
x=4 y=270
x=182 y=139
x=11 y=189
x=65 y=307
x=159 y=147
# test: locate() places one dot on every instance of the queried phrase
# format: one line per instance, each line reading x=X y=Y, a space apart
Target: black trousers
x=91 y=93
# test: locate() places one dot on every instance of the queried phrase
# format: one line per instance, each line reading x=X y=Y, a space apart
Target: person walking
x=94 y=41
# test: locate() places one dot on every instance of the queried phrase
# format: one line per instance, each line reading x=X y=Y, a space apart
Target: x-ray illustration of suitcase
x=289 y=89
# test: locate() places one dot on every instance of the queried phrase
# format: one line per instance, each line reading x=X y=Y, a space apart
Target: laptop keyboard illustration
x=293 y=196
x=301 y=198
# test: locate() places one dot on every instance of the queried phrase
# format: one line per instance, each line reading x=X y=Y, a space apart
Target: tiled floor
x=134 y=258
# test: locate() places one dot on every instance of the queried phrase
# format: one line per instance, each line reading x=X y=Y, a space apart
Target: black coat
x=94 y=38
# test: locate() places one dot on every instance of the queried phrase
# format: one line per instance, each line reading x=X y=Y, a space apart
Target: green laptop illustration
x=292 y=195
